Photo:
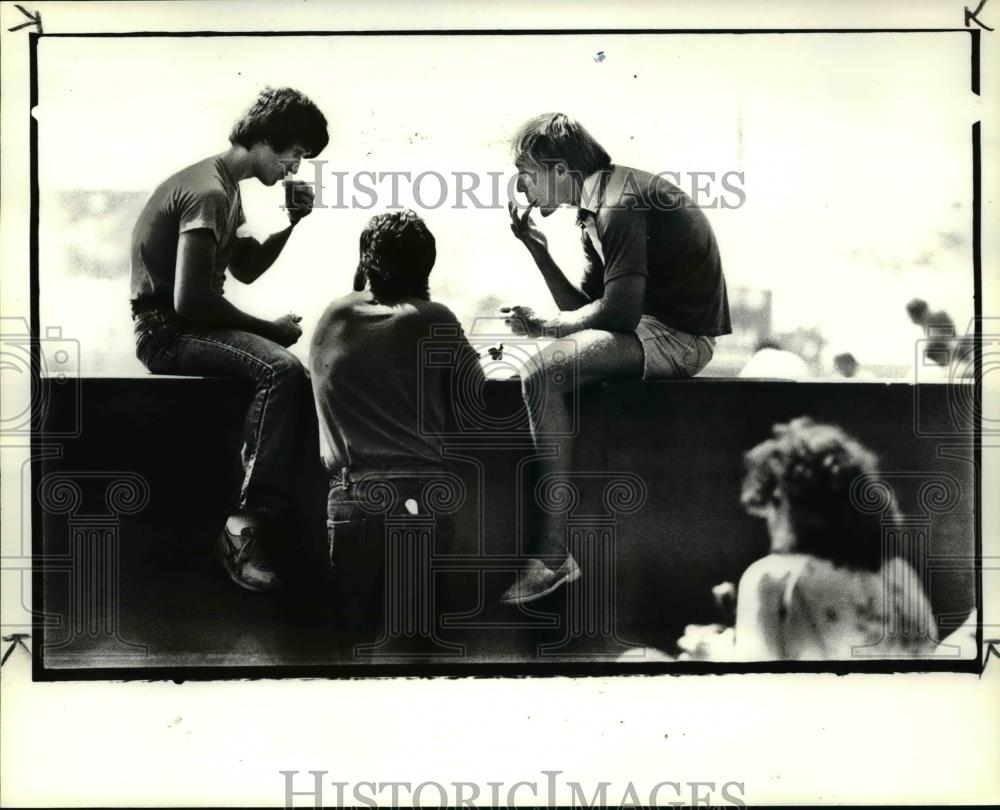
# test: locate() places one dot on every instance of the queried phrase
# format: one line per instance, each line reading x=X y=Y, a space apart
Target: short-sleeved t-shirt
x=383 y=404
x=647 y=226
x=202 y=196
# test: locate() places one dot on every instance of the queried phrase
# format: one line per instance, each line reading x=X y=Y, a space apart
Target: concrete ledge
x=682 y=440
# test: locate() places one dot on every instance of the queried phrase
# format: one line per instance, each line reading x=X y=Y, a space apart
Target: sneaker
x=537 y=580
x=240 y=556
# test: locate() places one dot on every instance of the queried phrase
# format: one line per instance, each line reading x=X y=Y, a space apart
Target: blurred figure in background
x=939 y=330
x=846 y=365
x=771 y=361
x=828 y=590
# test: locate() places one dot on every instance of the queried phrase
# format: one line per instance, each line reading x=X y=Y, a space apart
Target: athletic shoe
x=240 y=556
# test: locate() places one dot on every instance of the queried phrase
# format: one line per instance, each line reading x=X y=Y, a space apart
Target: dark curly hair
x=282 y=117
x=555 y=136
x=813 y=468
x=397 y=256
x=917 y=308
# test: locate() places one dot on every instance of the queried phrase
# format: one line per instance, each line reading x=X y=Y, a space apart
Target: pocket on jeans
x=346 y=540
x=154 y=349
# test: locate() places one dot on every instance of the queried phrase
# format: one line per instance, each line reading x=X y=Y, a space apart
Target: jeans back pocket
x=155 y=345
x=346 y=543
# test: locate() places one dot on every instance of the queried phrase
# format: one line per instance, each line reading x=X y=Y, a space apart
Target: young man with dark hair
x=652 y=301
x=182 y=245
x=382 y=409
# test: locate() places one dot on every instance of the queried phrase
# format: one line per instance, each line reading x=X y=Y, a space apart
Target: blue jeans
x=368 y=554
x=280 y=434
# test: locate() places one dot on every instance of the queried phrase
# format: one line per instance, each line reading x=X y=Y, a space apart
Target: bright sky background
x=856 y=152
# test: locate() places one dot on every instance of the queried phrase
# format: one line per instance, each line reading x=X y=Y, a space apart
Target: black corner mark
x=969 y=15
x=35 y=18
x=992 y=651
x=16 y=639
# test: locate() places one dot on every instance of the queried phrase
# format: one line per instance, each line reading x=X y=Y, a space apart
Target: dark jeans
x=375 y=542
x=280 y=437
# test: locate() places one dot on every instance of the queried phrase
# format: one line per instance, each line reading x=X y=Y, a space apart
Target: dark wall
x=683 y=440
x=687 y=440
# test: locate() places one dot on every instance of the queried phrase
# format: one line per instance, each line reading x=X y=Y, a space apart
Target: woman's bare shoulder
x=776 y=566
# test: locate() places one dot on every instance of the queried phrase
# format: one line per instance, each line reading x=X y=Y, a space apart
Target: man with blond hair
x=652 y=301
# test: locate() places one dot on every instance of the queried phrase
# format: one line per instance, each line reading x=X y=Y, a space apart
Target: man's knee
x=285 y=366
x=551 y=369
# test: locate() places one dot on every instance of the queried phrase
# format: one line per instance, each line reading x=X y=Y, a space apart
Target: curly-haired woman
x=828 y=589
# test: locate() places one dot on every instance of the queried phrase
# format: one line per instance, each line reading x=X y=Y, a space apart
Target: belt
x=346 y=476
x=143 y=306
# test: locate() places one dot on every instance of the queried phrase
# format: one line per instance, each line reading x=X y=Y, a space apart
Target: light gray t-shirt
x=202 y=196
x=383 y=387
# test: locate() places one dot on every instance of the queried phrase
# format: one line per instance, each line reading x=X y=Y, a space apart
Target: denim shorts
x=670 y=353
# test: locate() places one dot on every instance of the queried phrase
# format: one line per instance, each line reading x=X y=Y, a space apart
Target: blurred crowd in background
x=92 y=259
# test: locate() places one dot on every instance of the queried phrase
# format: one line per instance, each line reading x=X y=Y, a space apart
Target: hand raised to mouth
x=523 y=227
x=299 y=199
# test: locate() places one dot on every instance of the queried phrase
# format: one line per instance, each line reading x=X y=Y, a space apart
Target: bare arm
x=196 y=301
x=251 y=258
x=618 y=310
x=759 y=629
x=624 y=241
x=565 y=294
